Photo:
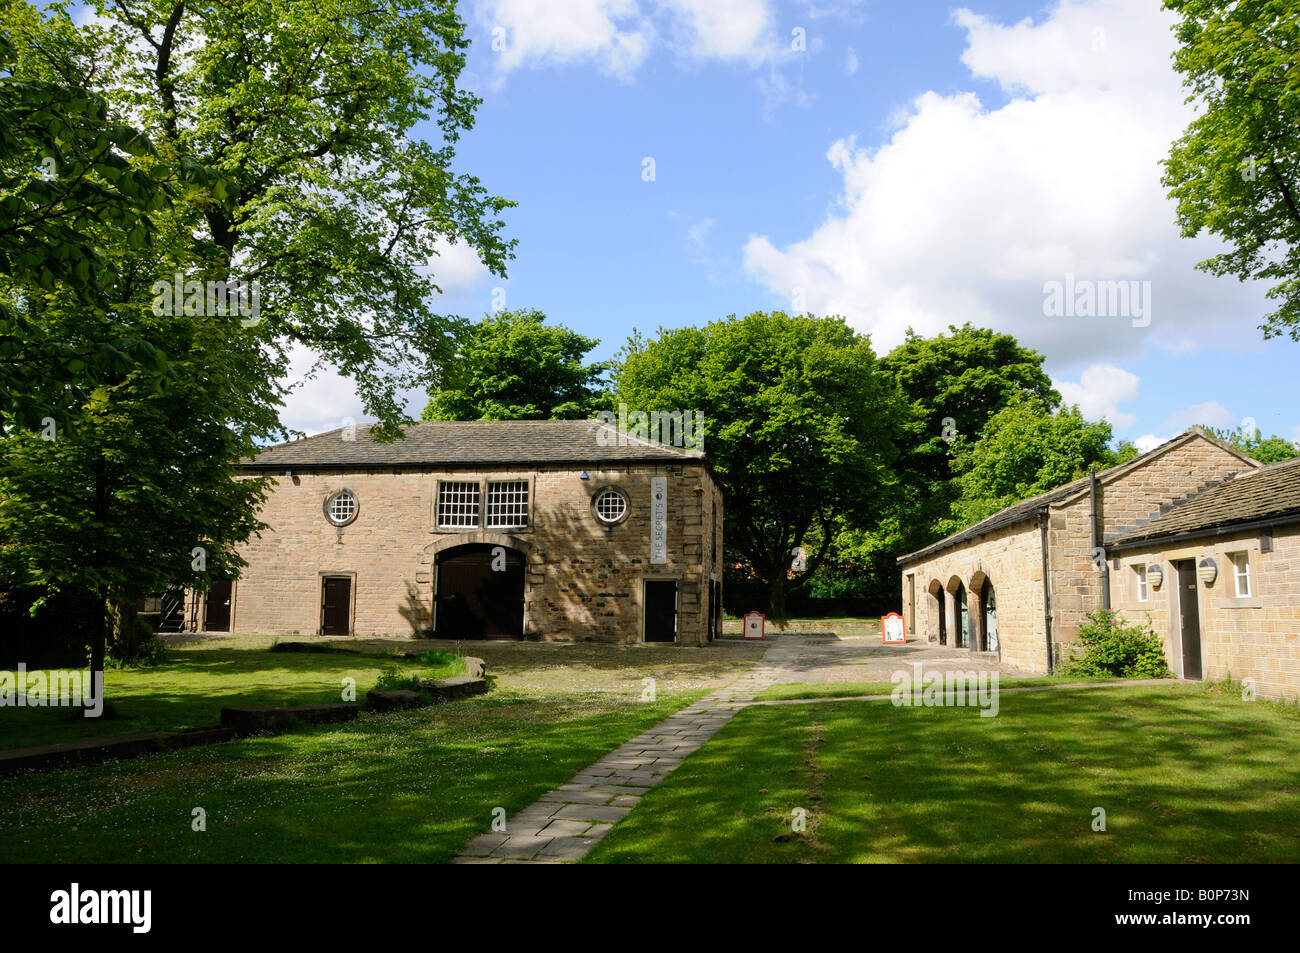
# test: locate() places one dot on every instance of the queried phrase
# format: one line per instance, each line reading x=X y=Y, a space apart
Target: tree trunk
x=776 y=597
x=125 y=620
x=97 y=642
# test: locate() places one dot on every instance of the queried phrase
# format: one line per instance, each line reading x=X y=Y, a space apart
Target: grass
x=1185 y=774
x=198 y=679
x=793 y=690
x=409 y=786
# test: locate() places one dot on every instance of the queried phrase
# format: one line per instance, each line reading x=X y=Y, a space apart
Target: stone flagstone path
x=563 y=825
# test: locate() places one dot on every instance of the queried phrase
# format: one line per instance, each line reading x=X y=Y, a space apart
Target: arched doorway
x=939 y=609
x=479 y=592
x=962 y=613
x=988 y=601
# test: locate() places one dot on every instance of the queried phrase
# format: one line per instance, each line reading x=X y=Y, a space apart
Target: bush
x=1112 y=649
x=394 y=678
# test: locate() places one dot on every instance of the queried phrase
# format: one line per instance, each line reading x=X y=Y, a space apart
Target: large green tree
x=1235 y=172
x=318 y=185
x=1027 y=448
x=800 y=428
x=514 y=366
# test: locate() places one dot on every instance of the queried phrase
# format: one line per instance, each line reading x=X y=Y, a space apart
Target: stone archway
x=939 y=610
x=959 y=620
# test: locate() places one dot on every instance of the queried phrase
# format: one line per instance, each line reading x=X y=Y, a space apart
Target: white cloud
x=965 y=211
x=619 y=35
x=1210 y=413
x=613 y=33
x=721 y=29
x=1099 y=391
x=456 y=268
x=851 y=62
x=1148 y=442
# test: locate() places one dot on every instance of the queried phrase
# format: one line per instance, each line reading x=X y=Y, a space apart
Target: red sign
x=755 y=623
x=893 y=630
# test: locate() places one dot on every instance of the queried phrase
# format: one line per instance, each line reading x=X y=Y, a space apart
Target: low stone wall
x=111 y=748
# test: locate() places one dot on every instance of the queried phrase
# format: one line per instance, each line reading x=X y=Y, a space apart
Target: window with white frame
x=610 y=505
x=507 y=504
x=458 y=504
x=341 y=507
x=1241 y=573
x=1143 y=592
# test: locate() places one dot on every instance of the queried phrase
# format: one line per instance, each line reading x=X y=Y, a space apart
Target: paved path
x=563 y=825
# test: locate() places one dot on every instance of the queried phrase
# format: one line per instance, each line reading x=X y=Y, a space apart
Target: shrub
x=1114 y=649
x=395 y=678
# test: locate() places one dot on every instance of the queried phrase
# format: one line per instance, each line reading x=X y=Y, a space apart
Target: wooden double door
x=479 y=593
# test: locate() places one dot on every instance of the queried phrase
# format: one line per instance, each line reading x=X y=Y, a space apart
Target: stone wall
x=583 y=578
x=1257 y=637
x=1011 y=556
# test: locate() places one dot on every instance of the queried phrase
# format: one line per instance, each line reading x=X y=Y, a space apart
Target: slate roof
x=1027 y=509
x=468 y=443
x=1271 y=492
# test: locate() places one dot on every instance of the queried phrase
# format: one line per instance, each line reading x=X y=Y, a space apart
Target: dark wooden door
x=661 y=610
x=336 y=605
x=715 y=609
x=943 y=618
x=1189 y=613
x=480 y=593
x=217 y=613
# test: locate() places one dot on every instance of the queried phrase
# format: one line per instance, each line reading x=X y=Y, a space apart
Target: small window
x=610 y=505
x=1241 y=573
x=341 y=507
x=1143 y=591
x=507 y=504
x=458 y=504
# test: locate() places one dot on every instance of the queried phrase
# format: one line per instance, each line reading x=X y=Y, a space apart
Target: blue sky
x=912 y=164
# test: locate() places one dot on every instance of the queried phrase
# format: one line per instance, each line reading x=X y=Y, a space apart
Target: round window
x=341 y=507
x=610 y=505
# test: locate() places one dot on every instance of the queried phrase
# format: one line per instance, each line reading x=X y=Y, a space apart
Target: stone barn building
x=1019 y=583
x=1218 y=574
x=560 y=530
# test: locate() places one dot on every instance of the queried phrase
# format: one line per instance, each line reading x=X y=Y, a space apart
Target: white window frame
x=334 y=498
x=613 y=491
x=467 y=490
x=1143 y=586
x=518 y=510
x=1241 y=573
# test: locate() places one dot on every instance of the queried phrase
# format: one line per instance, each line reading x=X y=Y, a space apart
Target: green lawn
x=790 y=690
x=192 y=686
x=408 y=786
x=1185 y=774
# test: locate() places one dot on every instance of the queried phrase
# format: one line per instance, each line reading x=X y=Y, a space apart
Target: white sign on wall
x=658 y=520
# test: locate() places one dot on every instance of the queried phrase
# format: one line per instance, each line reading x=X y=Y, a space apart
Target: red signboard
x=893 y=630
x=755 y=623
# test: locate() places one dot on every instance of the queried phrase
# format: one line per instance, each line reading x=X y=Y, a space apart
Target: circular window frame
x=329 y=501
x=627 y=504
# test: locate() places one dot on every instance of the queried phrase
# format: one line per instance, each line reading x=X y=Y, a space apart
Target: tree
x=513 y=366
x=1235 y=172
x=800 y=428
x=319 y=193
x=1254 y=444
x=309 y=113
x=1025 y=449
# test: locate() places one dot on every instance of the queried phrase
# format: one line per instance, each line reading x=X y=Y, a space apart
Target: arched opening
x=979 y=630
x=938 y=610
x=960 y=613
x=989 y=625
x=478 y=592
